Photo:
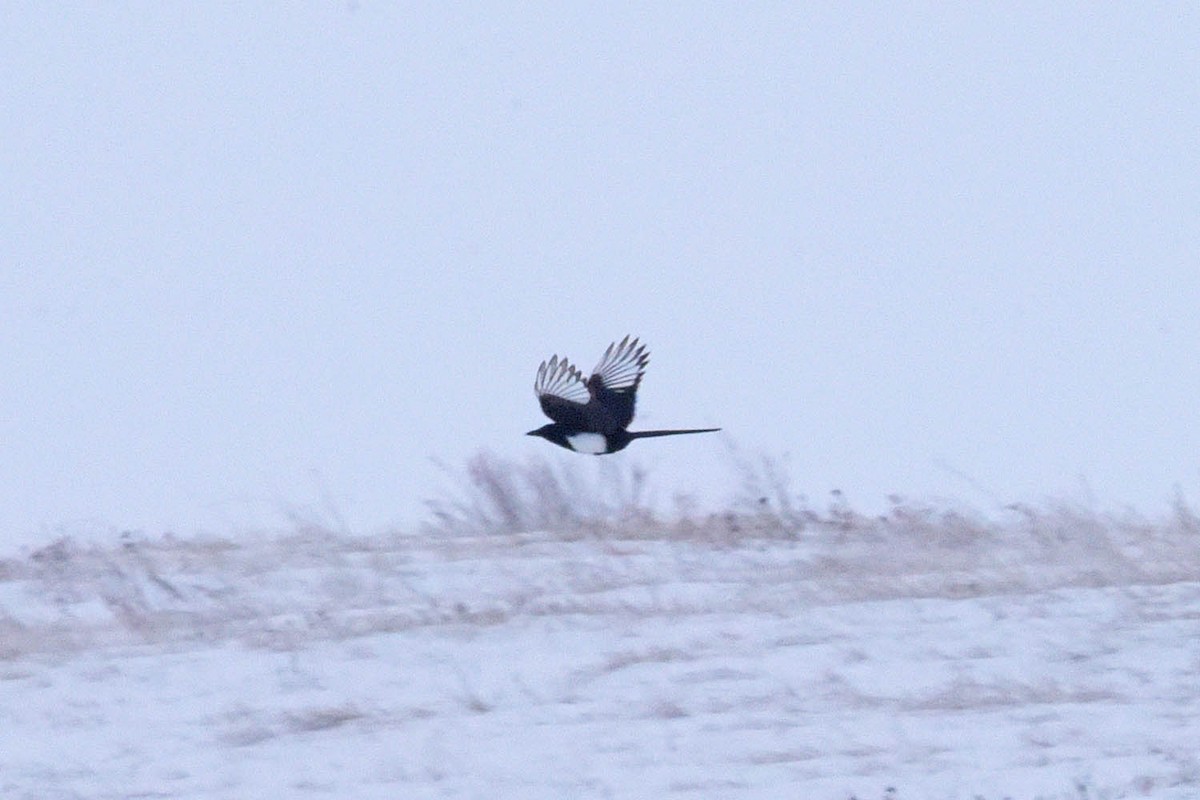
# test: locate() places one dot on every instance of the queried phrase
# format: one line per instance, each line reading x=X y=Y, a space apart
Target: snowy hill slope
x=1054 y=654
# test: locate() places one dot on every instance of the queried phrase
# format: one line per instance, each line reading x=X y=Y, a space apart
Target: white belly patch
x=591 y=443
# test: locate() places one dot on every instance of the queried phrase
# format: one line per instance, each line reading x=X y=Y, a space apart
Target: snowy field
x=782 y=654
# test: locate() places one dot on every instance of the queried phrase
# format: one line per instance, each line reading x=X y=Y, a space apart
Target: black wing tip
x=554 y=375
x=631 y=349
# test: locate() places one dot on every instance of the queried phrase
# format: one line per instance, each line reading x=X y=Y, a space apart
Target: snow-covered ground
x=1051 y=655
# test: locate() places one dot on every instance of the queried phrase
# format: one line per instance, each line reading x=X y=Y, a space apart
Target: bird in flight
x=591 y=414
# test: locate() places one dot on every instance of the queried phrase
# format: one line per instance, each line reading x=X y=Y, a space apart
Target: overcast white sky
x=258 y=255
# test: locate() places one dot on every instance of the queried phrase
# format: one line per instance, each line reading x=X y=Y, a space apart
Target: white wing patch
x=623 y=365
x=592 y=444
x=559 y=378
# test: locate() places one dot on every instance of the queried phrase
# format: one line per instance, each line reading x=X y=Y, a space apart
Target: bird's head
x=543 y=432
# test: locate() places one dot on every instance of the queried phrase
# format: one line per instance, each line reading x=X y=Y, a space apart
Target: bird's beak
x=532 y=433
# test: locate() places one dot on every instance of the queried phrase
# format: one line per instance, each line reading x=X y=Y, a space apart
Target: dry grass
x=1030 y=543
x=568 y=537
x=495 y=495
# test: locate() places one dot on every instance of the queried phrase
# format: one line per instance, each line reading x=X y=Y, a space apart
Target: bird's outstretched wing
x=615 y=380
x=562 y=392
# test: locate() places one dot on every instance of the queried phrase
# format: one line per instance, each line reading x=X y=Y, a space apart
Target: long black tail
x=648 y=434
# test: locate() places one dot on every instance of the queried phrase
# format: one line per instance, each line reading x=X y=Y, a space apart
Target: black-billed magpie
x=591 y=414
